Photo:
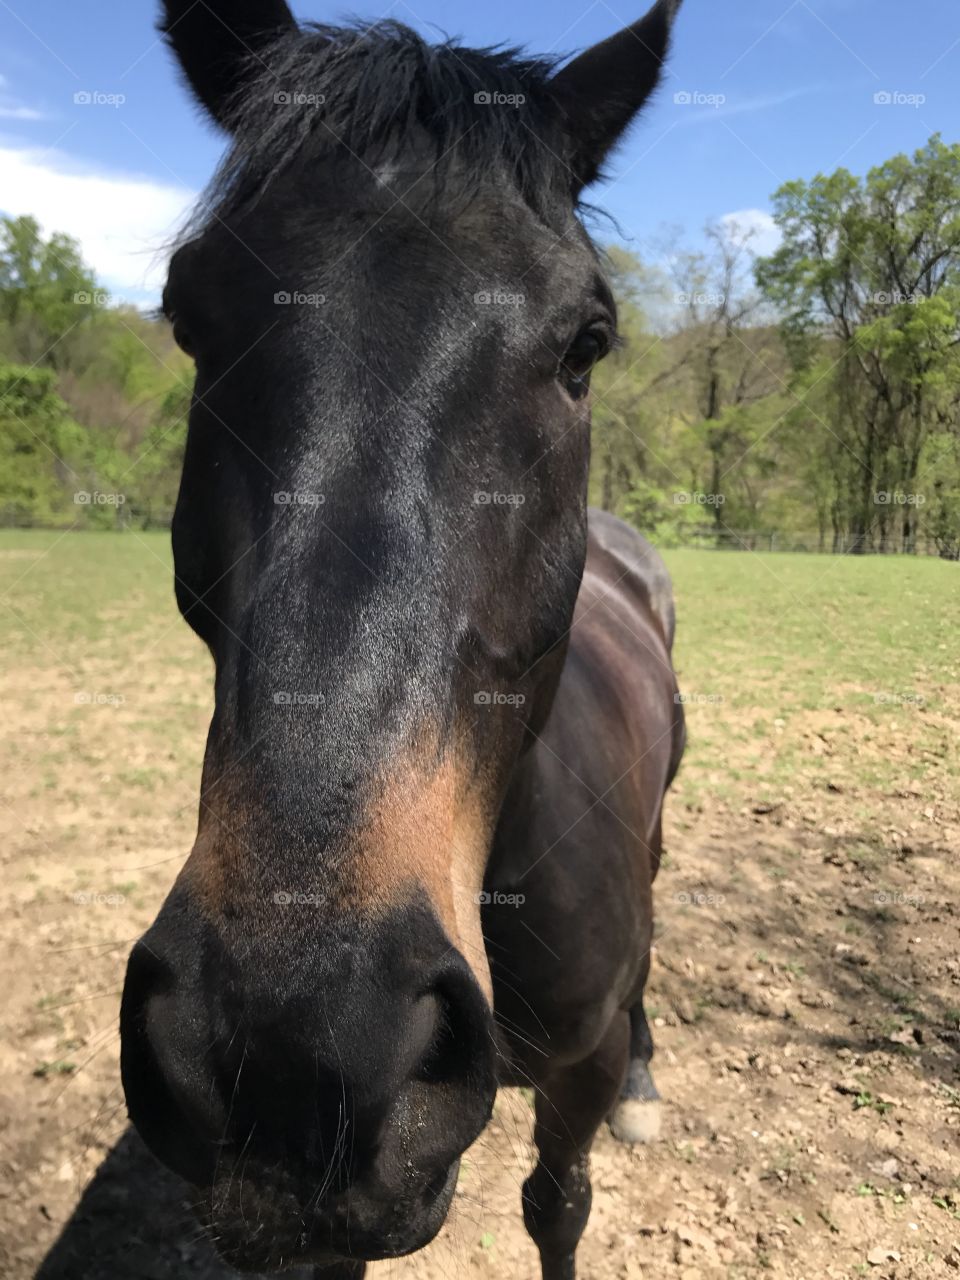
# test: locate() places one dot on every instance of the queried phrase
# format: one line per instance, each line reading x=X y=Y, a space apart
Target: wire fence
x=93 y=516
x=839 y=543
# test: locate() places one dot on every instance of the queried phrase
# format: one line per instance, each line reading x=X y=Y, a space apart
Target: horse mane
x=393 y=100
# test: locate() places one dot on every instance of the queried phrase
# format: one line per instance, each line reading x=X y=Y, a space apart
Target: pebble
x=877 y=1257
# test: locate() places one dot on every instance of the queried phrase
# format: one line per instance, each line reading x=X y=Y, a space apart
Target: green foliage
x=940 y=462
x=93 y=397
x=815 y=393
x=682 y=414
x=867 y=281
x=45 y=292
x=37 y=437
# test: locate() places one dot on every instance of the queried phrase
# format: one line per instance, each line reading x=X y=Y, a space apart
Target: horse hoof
x=634 y=1120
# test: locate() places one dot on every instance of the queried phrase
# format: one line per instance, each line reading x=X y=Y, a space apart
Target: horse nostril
x=461 y=1041
x=447 y=1058
x=159 y=1070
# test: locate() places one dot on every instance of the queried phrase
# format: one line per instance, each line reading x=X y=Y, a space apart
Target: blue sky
x=778 y=89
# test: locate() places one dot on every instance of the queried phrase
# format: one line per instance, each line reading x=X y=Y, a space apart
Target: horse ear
x=216 y=41
x=602 y=90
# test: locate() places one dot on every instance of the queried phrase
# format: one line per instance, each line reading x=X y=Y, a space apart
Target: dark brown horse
x=445 y=715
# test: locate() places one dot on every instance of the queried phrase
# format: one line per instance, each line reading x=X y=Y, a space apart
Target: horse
x=445 y=715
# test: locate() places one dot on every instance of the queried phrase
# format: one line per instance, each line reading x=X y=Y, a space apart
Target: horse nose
x=404 y=1044
x=168 y=1099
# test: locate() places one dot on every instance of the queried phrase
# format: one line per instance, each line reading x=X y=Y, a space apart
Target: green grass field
x=830 y=668
x=797 y=669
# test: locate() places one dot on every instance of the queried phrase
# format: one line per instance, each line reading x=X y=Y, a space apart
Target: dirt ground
x=805 y=995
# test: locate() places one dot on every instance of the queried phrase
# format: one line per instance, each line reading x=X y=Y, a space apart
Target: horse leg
x=636 y=1117
x=572 y=1102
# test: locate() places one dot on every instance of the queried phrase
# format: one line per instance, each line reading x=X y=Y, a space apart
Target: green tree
x=92 y=396
x=868 y=281
x=41 y=448
x=46 y=291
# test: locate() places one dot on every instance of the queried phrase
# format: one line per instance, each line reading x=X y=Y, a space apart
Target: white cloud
x=770 y=102
x=13 y=108
x=20 y=113
x=121 y=221
x=717 y=106
x=758 y=225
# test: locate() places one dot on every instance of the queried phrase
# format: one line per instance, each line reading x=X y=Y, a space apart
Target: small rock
x=685 y=1011
x=877 y=1257
x=902 y=1037
x=691 y=1236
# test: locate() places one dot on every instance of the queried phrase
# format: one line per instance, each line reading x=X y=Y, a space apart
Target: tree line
x=93 y=396
x=812 y=394
x=807 y=399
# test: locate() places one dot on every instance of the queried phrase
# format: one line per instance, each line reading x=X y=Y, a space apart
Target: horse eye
x=182 y=338
x=590 y=346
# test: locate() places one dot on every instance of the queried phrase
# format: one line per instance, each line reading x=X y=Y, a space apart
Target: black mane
x=391 y=99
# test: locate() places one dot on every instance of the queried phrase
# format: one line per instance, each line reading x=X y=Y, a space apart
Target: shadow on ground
x=132 y=1222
